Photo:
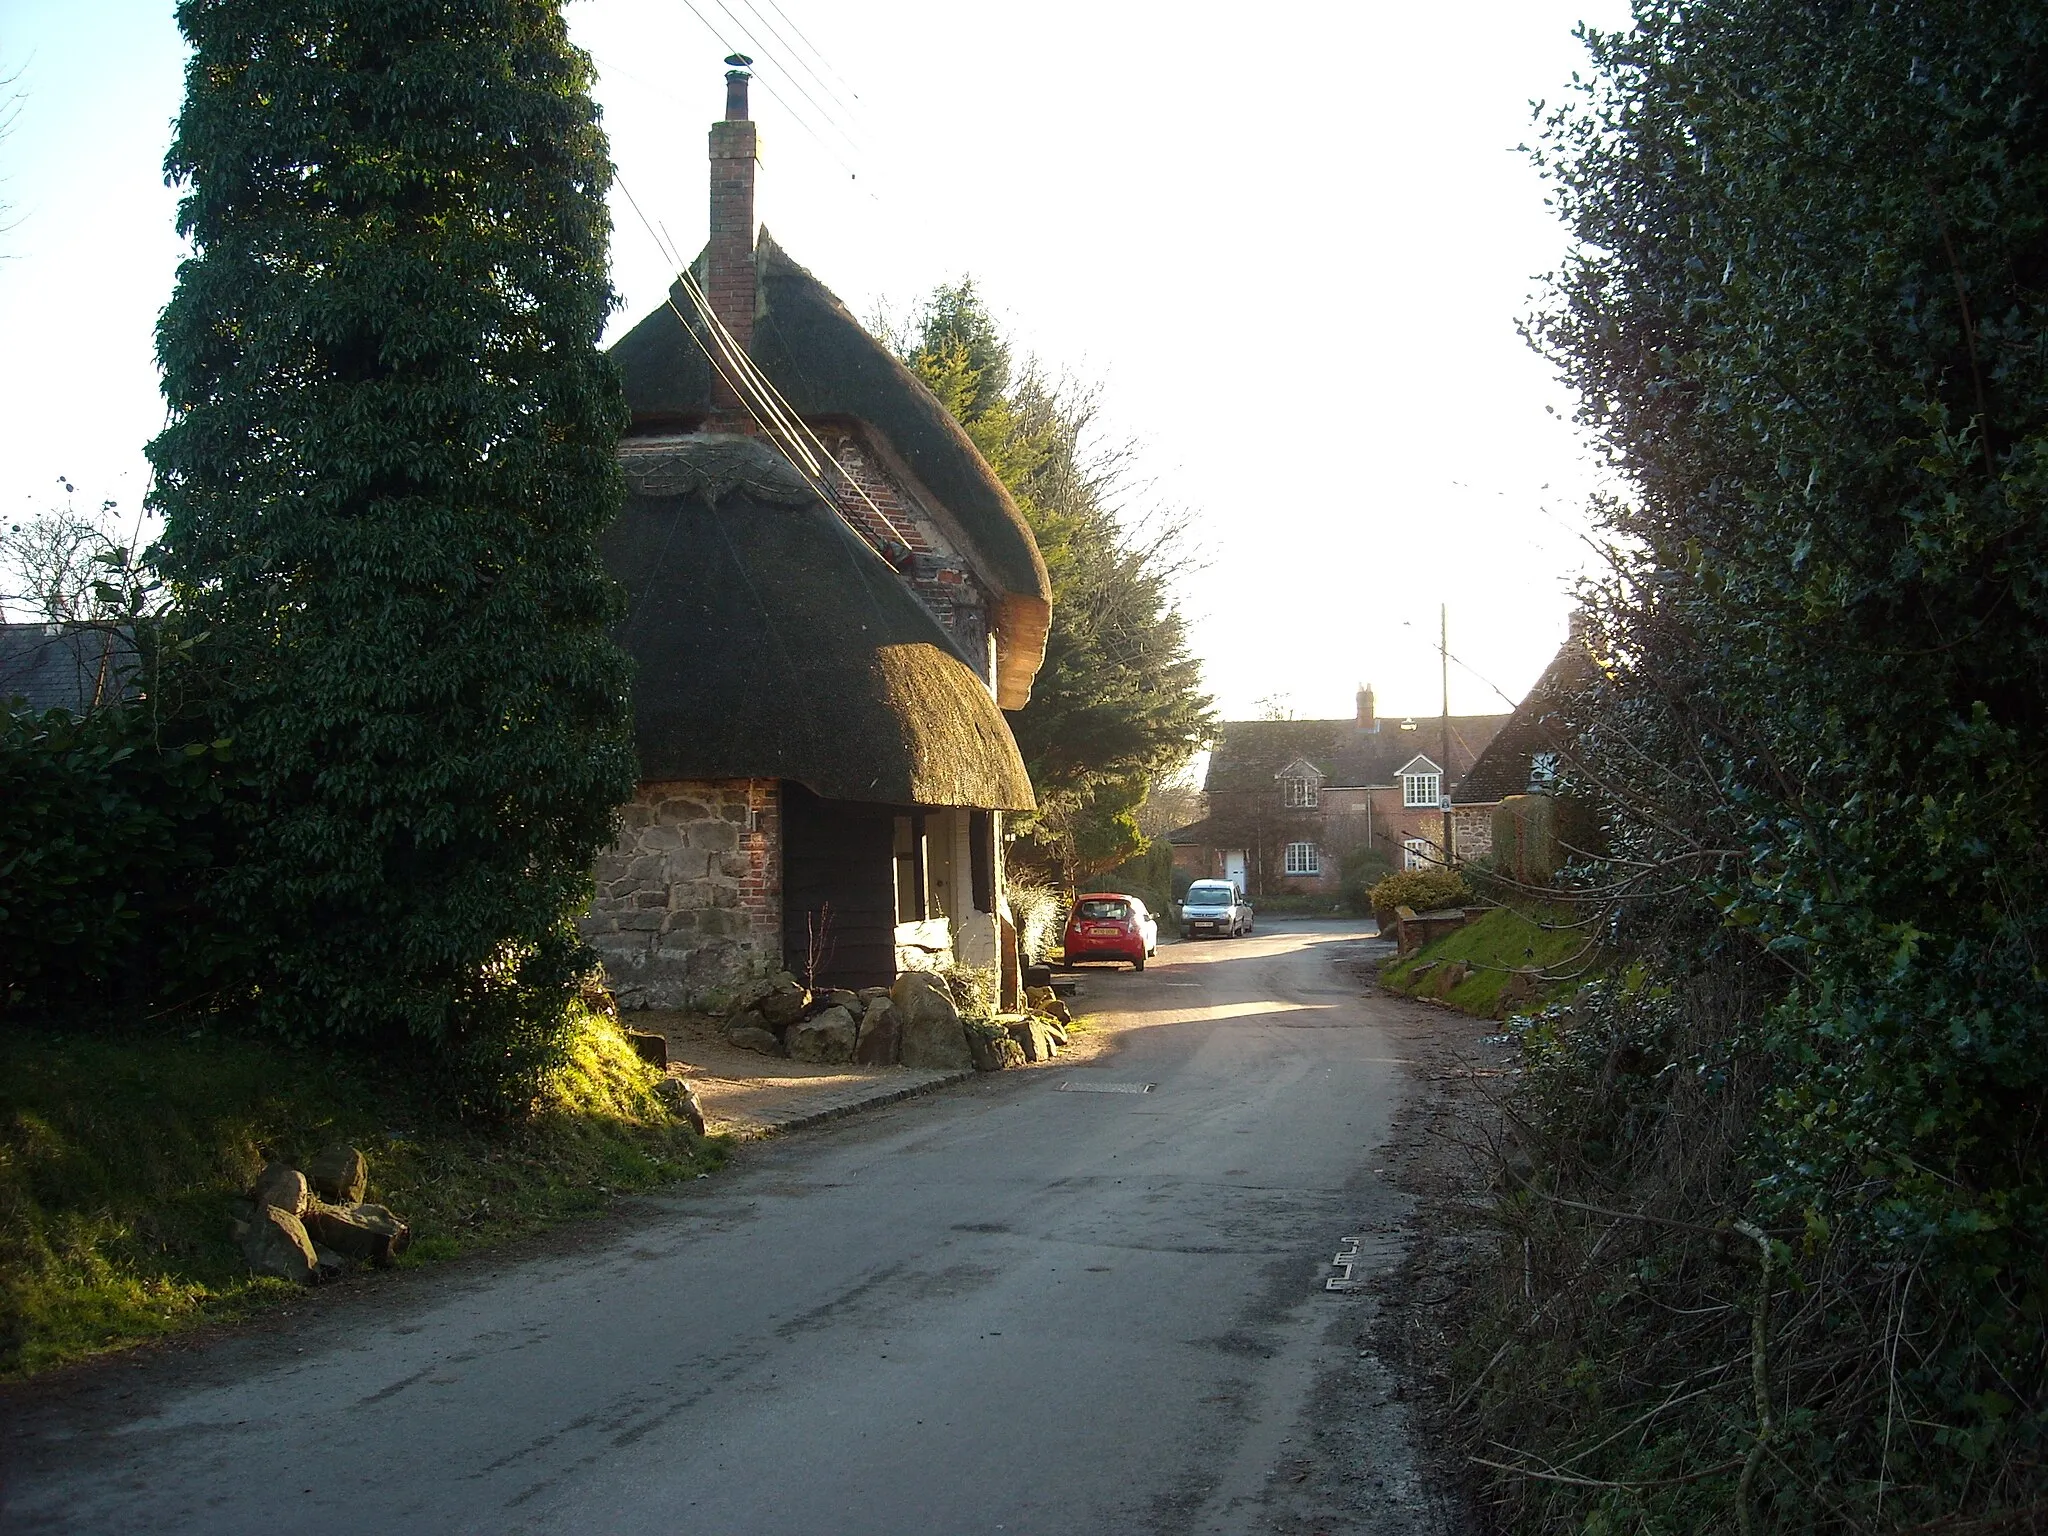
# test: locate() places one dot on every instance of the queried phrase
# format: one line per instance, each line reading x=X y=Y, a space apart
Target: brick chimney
x=729 y=260
x=1367 y=720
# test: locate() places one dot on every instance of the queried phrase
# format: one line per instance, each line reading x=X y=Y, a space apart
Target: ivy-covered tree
x=1118 y=704
x=390 y=453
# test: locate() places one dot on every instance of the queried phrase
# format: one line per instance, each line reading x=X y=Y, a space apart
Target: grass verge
x=122 y=1155
x=1505 y=940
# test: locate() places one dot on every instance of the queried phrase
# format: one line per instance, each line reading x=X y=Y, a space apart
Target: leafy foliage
x=107 y=835
x=1420 y=890
x=1807 y=317
x=1118 y=703
x=390 y=454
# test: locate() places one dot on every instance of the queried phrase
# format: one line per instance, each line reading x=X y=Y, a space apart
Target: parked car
x=1108 y=925
x=1215 y=907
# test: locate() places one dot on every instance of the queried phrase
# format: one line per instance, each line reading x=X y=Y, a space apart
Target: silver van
x=1214 y=907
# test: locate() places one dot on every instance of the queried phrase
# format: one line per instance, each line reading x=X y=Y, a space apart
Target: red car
x=1107 y=925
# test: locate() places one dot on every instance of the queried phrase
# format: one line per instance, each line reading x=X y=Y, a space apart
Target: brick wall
x=690 y=899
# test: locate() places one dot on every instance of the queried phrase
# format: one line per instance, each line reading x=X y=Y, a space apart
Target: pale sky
x=1292 y=249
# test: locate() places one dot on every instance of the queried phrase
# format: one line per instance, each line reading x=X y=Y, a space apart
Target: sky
x=1289 y=247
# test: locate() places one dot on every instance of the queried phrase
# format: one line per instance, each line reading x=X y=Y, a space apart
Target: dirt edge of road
x=1441 y=1154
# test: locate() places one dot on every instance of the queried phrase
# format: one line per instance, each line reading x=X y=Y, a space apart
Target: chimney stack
x=1367 y=720
x=729 y=278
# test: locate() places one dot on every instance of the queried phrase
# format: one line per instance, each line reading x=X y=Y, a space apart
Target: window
x=1543 y=769
x=1297 y=791
x=1418 y=853
x=1104 y=910
x=1421 y=789
x=1304 y=859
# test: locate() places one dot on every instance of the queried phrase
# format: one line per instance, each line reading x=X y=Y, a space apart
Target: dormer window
x=1298 y=791
x=1422 y=784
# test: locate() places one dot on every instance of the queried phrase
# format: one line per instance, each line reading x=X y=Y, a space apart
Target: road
x=1017 y=1306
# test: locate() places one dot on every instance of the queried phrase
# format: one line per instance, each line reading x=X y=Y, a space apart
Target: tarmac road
x=1016 y=1306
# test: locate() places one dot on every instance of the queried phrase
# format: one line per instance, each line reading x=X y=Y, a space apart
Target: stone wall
x=1472 y=831
x=689 y=902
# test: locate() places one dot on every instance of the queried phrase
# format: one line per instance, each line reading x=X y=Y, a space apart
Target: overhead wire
x=815 y=50
x=795 y=53
x=769 y=86
x=764 y=52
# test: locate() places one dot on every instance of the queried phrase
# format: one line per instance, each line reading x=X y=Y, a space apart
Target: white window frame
x=1421 y=791
x=1418 y=853
x=1304 y=859
x=1298 y=792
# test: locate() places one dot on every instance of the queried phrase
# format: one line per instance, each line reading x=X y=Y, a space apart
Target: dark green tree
x=391 y=451
x=1118 y=704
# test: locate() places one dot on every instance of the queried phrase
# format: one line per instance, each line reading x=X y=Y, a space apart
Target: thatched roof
x=770 y=642
x=1539 y=724
x=65 y=666
x=1248 y=754
x=826 y=365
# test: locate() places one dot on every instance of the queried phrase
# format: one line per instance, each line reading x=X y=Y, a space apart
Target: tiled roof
x=1248 y=753
x=64 y=666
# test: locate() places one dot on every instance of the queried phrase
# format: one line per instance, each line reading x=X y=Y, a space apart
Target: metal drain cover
x=1070 y=1086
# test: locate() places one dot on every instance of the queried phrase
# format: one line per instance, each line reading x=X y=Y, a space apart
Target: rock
x=991 y=1048
x=852 y=1002
x=1041 y=998
x=682 y=1101
x=650 y=1048
x=281 y=1188
x=869 y=994
x=785 y=1005
x=766 y=1041
x=340 y=1175
x=1055 y=1031
x=328 y=1262
x=827 y=1037
x=881 y=1034
x=1033 y=1036
x=368 y=1233
x=276 y=1244
x=1522 y=986
x=929 y=1026
x=1449 y=977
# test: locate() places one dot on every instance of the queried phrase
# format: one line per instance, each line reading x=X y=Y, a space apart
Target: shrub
x=1420 y=890
x=1362 y=869
x=107 y=834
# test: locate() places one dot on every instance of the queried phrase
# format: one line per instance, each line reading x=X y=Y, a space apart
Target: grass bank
x=1505 y=940
x=122 y=1155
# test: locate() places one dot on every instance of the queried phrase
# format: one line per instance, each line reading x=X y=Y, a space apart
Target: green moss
x=122 y=1156
x=1505 y=940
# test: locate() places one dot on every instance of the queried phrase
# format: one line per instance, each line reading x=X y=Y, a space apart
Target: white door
x=1233 y=867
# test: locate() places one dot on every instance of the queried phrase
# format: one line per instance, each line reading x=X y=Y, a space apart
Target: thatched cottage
x=821 y=659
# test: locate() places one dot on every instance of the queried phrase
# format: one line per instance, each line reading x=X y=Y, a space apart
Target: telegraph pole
x=1443 y=650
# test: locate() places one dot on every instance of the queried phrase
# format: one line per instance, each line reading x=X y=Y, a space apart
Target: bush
x=1420 y=890
x=106 y=836
x=1362 y=869
x=1036 y=909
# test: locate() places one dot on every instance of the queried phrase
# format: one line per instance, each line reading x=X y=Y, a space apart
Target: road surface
x=1047 y=1301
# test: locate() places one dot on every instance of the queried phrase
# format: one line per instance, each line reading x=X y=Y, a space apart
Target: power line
x=778 y=10
x=768 y=54
x=823 y=84
x=769 y=86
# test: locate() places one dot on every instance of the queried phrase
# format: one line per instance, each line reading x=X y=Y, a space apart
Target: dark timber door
x=838 y=889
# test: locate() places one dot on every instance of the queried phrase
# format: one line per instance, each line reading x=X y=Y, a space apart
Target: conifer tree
x=390 y=453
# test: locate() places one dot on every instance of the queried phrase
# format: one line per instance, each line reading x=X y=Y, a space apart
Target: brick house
x=821 y=655
x=1290 y=799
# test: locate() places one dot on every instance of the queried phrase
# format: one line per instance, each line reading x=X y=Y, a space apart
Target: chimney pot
x=736 y=79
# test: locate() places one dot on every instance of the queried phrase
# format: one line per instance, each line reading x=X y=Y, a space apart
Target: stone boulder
x=365 y=1233
x=339 y=1175
x=1034 y=1035
x=681 y=1101
x=1522 y=987
x=991 y=1048
x=275 y=1243
x=929 y=1028
x=881 y=1034
x=840 y=997
x=826 y=1037
x=1449 y=978
x=785 y=1005
x=280 y=1189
